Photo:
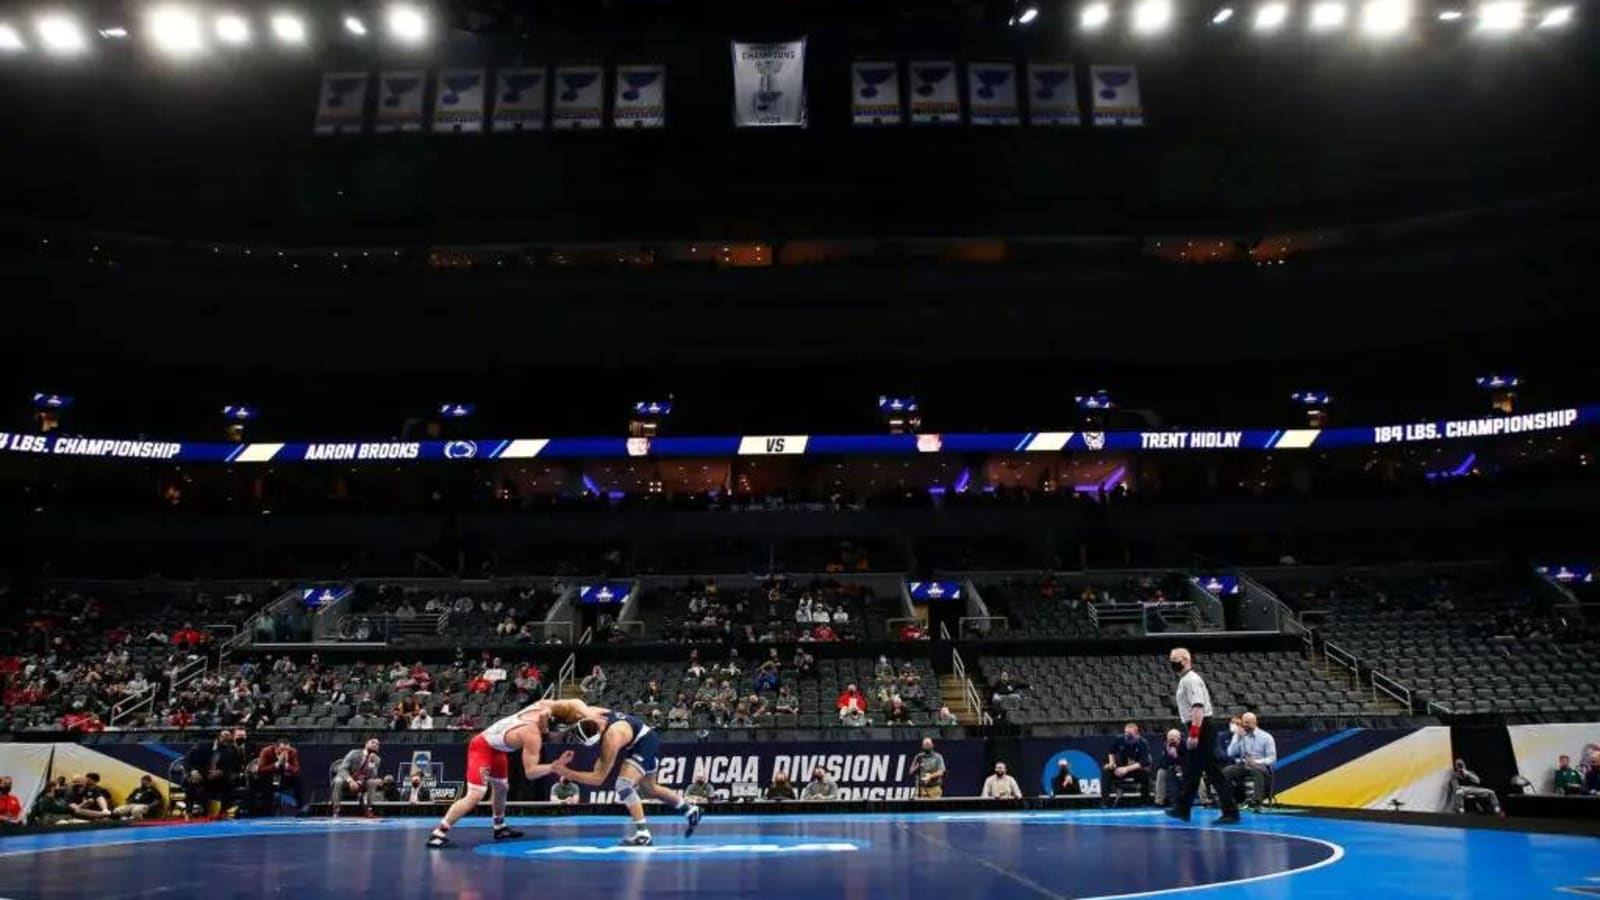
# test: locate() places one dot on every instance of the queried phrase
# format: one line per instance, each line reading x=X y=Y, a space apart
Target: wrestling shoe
x=1182 y=815
x=1228 y=818
x=436 y=841
x=691 y=818
x=506 y=832
x=638 y=839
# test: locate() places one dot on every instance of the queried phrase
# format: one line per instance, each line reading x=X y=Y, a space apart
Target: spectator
x=1466 y=785
x=278 y=768
x=852 y=706
x=767 y=675
x=786 y=704
x=678 y=716
x=1591 y=781
x=741 y=717
x=593 y=684
x=780 y=789
x=357 y=774
x=422 y=721
x=416 y=791
x=144 y=802
x=1169 y=767
x=89 y=800
x=651 y=697
x=1064 y=784
x=883 y=670
x=1256 y=752
x=564 y=792
x=496 y=672
x=1001 y=786
x=215 y=769
x=1568 y=780
x=10 y=806
x=1129 y=758
x=928 y=769
x=696 y=670
x=804 y=664
x=389 y=790
x=824 y=633
x=52 y=806
x=820 y=787
x=898 y=713
x=698 y=791
x=946 y=718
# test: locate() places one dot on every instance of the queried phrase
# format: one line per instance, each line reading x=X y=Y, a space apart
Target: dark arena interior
x=799 y=448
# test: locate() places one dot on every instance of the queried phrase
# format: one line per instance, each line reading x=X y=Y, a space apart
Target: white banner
x=458 y=98
x=519 y=99
x=1052 y=95
x=875 y=93
x=400 y=97
x=640 y=99
x=28 y=766
x=992 y=93
x=935 y=97
x=342 y=108
x=580 y=97
x=1116 y=95
x=1537 y=748
x=769 y=84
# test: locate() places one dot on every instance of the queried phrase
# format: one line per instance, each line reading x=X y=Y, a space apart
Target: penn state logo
x=1094 y=440
x=460 y=450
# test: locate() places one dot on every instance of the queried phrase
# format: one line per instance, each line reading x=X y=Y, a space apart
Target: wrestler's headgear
x=586 y=732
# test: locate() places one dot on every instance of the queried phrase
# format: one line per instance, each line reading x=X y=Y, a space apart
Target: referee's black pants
x=1202 y=760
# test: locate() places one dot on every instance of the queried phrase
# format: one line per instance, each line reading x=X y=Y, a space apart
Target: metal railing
x=588 y=636
x=564 y=676
x=1337 y=654
x=186 y=673
x=944 y=632
x=1435 y=708
x=959 y=668
x=1382 y=682
x=983 y=626
x=127 y=706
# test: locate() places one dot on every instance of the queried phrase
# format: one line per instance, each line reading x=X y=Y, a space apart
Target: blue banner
x=606 y=593
x=933 y=591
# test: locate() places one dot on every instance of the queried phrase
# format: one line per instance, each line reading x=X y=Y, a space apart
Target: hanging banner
x=1116 y=95
x=342 y=107
x=400 y=101
x=992 y=93
x=935 y=97
x=1052 y=95
x=875 y=93
x=640 y=99
x=519 y=101
x=458 y=99
x=580 y=97
x=769 y=84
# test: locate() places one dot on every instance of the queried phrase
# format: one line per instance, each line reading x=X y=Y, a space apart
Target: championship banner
x=935 y=97
x=875 y=93
x=769 y=84
x=992 y=93
x=1052 y=95
x=458 y=99
x=519 y=99
x=580 y=97
x=342 y=107
x=640 y=98
x=1116 y=95
x=400 y=101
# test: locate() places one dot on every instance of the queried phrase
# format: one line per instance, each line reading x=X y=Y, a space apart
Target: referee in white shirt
x=1200 y=754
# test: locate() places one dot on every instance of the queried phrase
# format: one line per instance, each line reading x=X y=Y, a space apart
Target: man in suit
x=357 y=774
x=278 y=769
x=215 y=770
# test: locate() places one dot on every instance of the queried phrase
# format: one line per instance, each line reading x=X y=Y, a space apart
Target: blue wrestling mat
x=1049 y=855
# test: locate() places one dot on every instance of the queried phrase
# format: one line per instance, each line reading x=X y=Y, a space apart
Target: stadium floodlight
x=1152 y=16
x=61 y=34
x=1223 y=15
x=1328 y=16
x=1385 y=18
x=175 y=31
x=1450 y=15
x=407 y=24
x=288 y=28
x=1501 y=15
x=233 y=29
x=1028 y=15
x=1094 y=16
x=355 y=26
x=115 y=33
x=1271 y=16
x=1556 y=17
x=10 y=40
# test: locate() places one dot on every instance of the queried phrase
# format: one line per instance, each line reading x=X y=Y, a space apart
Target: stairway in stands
x=953 y=693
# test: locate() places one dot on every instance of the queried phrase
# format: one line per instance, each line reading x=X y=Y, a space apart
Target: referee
x=1200 y=755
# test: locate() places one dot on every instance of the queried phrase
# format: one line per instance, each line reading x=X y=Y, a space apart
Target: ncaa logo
x=460 y=450
x=638 y=446
x=1083 y=768
x=1094 y=440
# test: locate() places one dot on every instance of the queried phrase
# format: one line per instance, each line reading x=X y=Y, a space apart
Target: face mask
x=1177 y=666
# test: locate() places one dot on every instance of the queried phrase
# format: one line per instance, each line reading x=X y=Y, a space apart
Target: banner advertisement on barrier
x=400 y=98
x=458 y=101
x=519 y=102
x=769 y=86
x=875 y=93
x=342 y=106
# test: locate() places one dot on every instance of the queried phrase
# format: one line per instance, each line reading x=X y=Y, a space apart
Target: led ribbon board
x=56 y=445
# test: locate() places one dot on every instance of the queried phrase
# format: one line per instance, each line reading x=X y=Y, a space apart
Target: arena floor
x=1060 y=855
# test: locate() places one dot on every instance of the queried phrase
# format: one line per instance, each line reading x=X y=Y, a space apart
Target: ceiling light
x=1271 y=16
x=61 y=34
x=288 y=28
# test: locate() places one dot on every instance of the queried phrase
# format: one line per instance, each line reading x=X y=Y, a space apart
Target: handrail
x=1436 y=705
x=944 y=631
x=1394 y=688
x=588 y=636
x=959 y=668
x=567 y=673
x=123 y=709
x=1343 y=657
x=186 y=673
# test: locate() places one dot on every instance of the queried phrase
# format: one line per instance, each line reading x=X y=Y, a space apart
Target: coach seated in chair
x=1169 y=768
x=1466 y=787
x=1568 y=780
x=215 y=770
x=1128 y=762
x=1255 y=752
x=277 y=771
x=357 y=775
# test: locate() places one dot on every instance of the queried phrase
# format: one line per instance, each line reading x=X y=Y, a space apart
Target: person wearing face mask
x=10 y=806
x=1200 y=742
x=1255 y=753
x=1000 y=785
